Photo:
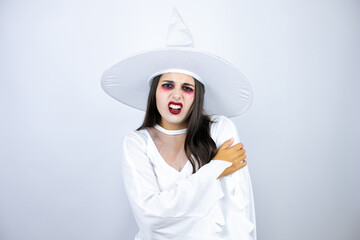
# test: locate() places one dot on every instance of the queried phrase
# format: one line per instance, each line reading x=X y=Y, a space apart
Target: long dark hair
x=199 y=146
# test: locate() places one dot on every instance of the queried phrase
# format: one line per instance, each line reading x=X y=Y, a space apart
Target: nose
x=177 y=93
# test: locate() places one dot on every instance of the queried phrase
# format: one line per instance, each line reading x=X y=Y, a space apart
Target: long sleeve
x=239 y=202
x=162 y=213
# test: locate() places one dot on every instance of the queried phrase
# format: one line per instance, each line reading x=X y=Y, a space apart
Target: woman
x=171 y=197
x=185 y=172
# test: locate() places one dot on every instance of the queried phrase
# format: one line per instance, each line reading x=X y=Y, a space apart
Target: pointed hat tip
x=179 y=34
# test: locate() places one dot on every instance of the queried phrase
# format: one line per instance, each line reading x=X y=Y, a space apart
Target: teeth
x=173 y=106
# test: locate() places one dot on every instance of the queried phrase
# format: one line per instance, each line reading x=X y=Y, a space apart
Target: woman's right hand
x=235 y=155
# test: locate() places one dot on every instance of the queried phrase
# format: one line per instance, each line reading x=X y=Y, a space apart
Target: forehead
x=178 y=77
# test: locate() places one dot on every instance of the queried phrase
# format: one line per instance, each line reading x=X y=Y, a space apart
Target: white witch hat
x=227 y=91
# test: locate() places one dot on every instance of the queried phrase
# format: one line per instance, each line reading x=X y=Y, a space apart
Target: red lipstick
x=174 y=107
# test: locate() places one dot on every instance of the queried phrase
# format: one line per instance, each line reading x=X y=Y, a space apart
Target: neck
x=172 y=126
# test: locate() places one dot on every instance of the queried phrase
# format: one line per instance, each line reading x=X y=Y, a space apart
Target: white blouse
x=171 y=204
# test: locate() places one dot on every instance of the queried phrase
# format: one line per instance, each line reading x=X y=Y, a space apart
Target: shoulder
x=219 y=118
x=135 y=150
x=220 y=122
x=136 y=138
x=222 y=129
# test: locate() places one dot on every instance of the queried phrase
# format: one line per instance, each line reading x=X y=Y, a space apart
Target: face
x=175 y=95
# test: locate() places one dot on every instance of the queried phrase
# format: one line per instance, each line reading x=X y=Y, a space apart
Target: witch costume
x=175 y=203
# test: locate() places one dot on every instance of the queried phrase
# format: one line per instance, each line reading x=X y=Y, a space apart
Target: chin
x=174 y=119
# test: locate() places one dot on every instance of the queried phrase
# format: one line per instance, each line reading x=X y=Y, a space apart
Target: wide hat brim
x=227 y=91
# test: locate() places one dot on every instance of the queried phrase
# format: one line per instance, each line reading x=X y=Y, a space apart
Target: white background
x=60 y=134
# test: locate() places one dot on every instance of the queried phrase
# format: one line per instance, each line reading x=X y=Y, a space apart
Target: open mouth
x=174 y=107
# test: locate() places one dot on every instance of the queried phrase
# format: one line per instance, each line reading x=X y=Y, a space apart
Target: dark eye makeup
x=187 y=89
x=168 y=86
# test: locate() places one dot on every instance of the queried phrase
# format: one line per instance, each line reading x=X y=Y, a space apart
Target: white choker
x=170 y=132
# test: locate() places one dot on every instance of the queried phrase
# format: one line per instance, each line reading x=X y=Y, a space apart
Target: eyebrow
x=170 y=81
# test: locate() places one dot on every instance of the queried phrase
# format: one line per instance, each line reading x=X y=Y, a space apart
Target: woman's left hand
x=234 y=154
